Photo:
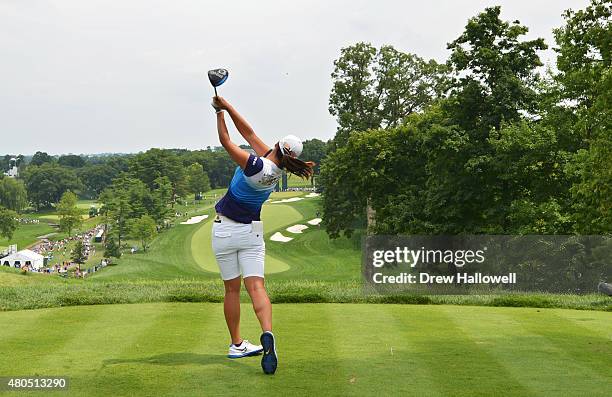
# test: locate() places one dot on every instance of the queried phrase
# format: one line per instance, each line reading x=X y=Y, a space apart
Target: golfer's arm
x=247 y=132
x=238 y=155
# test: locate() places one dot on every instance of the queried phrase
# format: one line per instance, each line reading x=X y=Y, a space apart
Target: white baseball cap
x=292 y=144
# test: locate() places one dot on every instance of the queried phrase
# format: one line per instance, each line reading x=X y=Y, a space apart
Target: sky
x=124 y=76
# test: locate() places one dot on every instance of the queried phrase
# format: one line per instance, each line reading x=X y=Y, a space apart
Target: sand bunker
x=315 y=221
x=313 y=195
x=288 y=200
x=278 y=236
x=296 y=228
x=195 y=219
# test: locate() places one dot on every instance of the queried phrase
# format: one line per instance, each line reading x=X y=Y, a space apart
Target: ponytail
x=303 y=169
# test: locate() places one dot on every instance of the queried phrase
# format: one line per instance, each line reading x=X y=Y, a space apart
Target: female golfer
x=237 y=234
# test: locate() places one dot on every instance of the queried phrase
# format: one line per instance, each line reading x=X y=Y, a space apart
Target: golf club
x=217 y=77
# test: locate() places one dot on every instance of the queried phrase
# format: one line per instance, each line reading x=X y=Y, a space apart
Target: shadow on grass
x=173 y=359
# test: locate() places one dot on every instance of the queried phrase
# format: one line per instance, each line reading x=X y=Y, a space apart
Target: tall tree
x=78 y=252
x=143 y=229
x=96 y=178
x=495 y=84
x=584 y=58
x=314 y=150
x=197 y=179
x=495 y=72
x=353 y=98
x=71 y=160
x=45 y=184
x=406 y=84
x=111 y=248
x=8 y=222
x=41 y=158
x=13 y=194
x=127 y=198
x=69 y=214
x=155 y=163
x=161 y=197
x=379 y=88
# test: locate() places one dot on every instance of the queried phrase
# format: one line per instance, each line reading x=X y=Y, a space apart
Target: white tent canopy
x=24 y=258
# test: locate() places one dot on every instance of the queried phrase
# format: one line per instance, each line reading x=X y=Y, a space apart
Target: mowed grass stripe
x=443 y=346
x=28 y=339
x=186 y=348
x=373 y=352
x=307 y=347
x=169 y=341
x=597 y=322
x=578 y=345
x=84 y=343
x=406 y=354
x=529 y=356
x=206 y=365
x=206 y=370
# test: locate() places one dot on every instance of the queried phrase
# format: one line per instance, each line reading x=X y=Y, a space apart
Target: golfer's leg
x=231 y=308
x=227 y=260
x=261 y=302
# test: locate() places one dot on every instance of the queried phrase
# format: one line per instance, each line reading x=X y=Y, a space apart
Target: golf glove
x=217 y=109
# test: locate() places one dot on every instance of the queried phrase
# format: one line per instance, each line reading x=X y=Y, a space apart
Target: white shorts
x=239 y=248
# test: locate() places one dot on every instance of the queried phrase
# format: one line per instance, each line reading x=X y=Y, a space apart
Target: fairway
x=275 y=216
x=179 y=349
x=26 y=235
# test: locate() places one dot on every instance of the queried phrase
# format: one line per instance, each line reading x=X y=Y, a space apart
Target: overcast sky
x=124 y=76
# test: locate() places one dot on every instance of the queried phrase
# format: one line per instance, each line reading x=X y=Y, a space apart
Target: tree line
x=138 y=191
x=487 y=142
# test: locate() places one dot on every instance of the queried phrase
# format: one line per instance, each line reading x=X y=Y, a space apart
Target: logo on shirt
x=269 y=180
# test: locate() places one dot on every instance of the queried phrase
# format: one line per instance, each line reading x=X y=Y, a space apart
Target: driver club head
x=217 y=77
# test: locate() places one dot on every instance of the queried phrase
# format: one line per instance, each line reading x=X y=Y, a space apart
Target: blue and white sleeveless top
x=249 y=189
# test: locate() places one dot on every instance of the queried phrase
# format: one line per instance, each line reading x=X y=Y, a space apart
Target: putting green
x=178 y=349
x=274 y=216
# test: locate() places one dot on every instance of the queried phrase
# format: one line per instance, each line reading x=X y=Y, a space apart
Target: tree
x=127 y=198
x=379 y=88
x=96 y=178
x=71 y=160
x=584 y=57
x=160 y=198
x=143 y=229
x=495 y=73
x=495 y=85
x=13 y=194
x=8 y=222
x=47 y=183
x=155 y=163
x=314 y=150
x=380 y=169
x=4 y=163
x=41 y=158
x=69 y=214
x=585 y=84
x=406 y=84
x=197 y=179
x=111 y=248
x=353 y=98
x=78 y=252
